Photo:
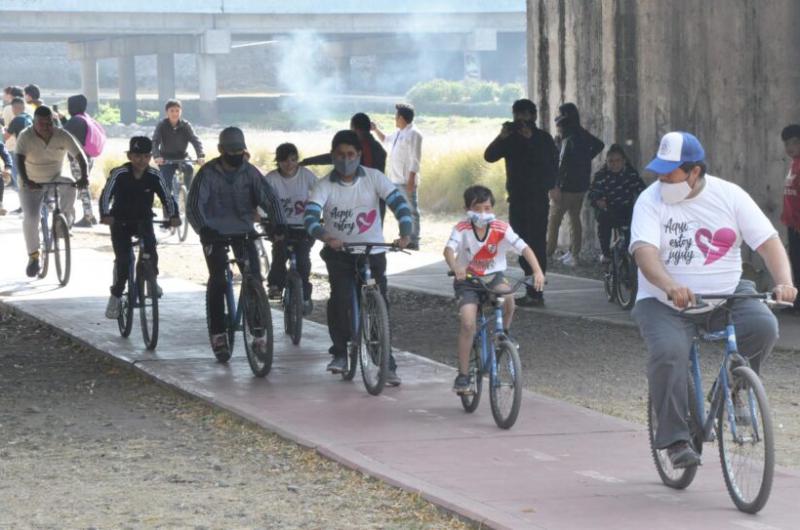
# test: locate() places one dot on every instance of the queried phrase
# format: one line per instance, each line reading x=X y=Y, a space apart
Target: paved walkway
x=561 y=466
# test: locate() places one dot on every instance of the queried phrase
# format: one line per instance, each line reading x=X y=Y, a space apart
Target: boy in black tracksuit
x=126 y=204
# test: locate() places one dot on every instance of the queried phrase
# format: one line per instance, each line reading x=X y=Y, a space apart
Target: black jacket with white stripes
x=126 y=198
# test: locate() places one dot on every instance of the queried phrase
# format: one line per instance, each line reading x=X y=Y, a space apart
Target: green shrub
x=482 y=91
x=445 y=178
x=107 y=114
x=510 y=93
x=469 y=91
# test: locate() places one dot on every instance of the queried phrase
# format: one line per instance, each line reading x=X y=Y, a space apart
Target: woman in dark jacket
x=613 y=193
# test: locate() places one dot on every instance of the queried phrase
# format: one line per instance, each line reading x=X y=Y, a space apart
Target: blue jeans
x=413 y=204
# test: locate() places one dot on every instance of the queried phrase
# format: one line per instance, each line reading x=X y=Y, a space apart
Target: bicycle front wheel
x=45 y=246
x=505 y=388
x=627 y=280
x=293 y=307
x=183 y=230
x=470 y=401
x=257 y=327
x=746 y=444
x=125 y=318
x=376 y=349
x=147 y=290
x=677 y=478
x=61 y=248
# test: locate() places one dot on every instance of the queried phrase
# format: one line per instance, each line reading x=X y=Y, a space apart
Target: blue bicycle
x=251 y=314
x=54 y=236
x=493 y=354
x=738 y=418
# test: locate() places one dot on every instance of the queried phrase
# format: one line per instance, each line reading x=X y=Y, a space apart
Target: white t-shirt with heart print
x=292 y=192
x=699 y=239
x=350 y=212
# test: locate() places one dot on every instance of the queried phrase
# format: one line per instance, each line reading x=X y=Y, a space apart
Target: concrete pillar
x=207 y=77
x=89 y=83
x=165 y=68
x=127 y=88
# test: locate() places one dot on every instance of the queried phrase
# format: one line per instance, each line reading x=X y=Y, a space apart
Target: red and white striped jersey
x=487 y=256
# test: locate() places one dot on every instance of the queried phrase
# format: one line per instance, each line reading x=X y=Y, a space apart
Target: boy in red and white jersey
x=477 y=247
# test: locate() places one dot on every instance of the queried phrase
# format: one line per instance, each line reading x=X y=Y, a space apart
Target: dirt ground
x=88 y=444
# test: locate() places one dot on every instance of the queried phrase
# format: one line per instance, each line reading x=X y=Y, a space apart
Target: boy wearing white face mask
x=477 y=247
x=686 y=235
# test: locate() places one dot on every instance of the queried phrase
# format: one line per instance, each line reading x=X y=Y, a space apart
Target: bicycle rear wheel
x=677 y=478
x=627 y=280
x=61 y=248
x=374 y=358
x=505 y=390
x=257 y=327
x=125 y=318
x=183 y=230
x=470 y=401
x=293 y=307
x=45 y=245
x=748 y=457
x=147 y=290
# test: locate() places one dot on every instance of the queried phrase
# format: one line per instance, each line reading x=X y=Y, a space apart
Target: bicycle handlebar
x=700 y=300
x=179 y=161
x=390 y=246
x=476 y=280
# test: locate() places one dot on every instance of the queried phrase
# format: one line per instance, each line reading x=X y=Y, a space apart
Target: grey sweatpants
x=668 y=335
x=31 y=203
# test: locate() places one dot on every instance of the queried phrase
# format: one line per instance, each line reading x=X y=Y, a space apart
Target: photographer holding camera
x=531 y=165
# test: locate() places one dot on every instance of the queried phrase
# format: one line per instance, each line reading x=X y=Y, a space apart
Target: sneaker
x=412 y=246
x=338 y=365
x=259 y=347
x=604 y=260
x=530 y=301
x=113 y=307
x=3 y=211
x=92 y=220
x=392 y=379
x=33 y=266
x=308 y=307
x=682 y=455
x=569 y=260
x=18 y=211
x=83 y=223
x=219 y=344
x=275 y=292
x=566 y=255
x=461 y=385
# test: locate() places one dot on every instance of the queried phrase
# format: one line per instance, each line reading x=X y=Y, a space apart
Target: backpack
x=95 y=136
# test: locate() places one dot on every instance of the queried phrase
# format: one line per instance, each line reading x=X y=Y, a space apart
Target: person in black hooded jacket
x=578 y=148
x=77 y=127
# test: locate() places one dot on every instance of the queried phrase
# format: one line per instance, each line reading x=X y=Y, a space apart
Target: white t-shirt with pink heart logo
x=699 y=239
x=350 y=212
x=292 y=192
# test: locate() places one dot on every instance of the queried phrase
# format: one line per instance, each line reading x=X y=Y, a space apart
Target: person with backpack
x=92 y=138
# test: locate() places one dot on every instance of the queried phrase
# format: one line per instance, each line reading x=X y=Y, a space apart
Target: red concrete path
x=561 y=466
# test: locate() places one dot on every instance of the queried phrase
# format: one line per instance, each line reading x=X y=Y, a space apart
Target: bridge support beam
x=127 y=88
x=89 y=83
x=207 y=81
x=165 y=70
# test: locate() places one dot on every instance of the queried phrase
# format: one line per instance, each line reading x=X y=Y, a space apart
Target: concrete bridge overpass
x=98 y=29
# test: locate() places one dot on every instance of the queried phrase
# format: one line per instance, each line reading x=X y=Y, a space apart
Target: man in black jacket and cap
x=531 y=157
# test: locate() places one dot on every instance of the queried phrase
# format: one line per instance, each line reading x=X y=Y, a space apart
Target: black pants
x=121 y=234
x=528 y=217
x=607 y=220
x=216 y=254
x=280 y=254
x=341 y=275
x=794 y=257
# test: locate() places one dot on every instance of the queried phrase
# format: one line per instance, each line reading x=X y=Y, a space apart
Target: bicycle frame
x=721 y=388
x=236 y=323
x=488 y=354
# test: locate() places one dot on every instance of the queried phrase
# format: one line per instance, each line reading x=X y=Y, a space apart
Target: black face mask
x=233 y=160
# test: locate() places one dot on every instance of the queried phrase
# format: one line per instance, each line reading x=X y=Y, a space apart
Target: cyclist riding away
x=292 y=185
x=41 y=149
x=477 y=247
x=686 y=235
x=222 y=203
x=126 y=205
x=171 y=139
x=348 y=201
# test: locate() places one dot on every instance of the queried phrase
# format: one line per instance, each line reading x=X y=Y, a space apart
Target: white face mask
x=675 y=192
x=480 y=219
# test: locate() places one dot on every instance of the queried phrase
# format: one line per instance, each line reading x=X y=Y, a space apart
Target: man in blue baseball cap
x=686 y=237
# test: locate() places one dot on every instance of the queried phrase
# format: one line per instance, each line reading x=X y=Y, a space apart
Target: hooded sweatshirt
x=77 y=126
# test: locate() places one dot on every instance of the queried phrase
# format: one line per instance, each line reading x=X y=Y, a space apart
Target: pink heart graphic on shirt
x=365 y=220
x=716 y=246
